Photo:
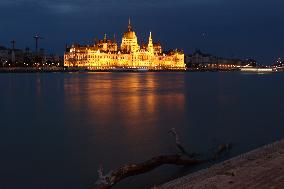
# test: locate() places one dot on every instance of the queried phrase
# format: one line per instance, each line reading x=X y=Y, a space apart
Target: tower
x=13 y=56
x=129 y=25
x=37 y=38
x=150 y=44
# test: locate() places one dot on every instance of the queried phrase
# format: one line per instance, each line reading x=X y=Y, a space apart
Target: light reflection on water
x=58 y=128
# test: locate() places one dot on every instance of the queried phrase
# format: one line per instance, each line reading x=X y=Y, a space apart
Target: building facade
x=4 y=55
x=202 y=60
x=106 y=54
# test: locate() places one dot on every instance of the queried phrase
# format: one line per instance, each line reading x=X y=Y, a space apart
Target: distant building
x=10 y=55
x=202 y=60
x=4 y=55
x=19 y=58
x=53 y=60
x=279 y=63
x=106 y=54
x=16 y=56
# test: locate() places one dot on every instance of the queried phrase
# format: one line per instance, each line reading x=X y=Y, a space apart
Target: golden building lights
x=105 y=54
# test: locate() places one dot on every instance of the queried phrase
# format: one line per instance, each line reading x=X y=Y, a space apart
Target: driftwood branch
x=184 y=159
x=178 y=143
x=136 y=169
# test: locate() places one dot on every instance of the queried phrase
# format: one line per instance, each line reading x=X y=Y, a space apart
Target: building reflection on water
x=134 y=102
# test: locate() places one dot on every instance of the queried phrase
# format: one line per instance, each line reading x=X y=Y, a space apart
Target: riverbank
x=260 y=168
x=66 y=69
x=31 y=69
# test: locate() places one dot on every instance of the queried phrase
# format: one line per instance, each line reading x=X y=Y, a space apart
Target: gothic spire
x=129 y=25
x=150 y=44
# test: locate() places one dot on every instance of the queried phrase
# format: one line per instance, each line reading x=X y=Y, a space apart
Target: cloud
x=56 y=6
x=67 y=6
x=73 y=6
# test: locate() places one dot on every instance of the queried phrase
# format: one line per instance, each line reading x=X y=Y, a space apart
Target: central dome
x=129 y=41
x=129 y=34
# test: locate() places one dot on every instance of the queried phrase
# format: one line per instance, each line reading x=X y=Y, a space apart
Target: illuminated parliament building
x=105 y=54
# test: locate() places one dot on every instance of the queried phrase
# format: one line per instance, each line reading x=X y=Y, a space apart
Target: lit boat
x=259 y=70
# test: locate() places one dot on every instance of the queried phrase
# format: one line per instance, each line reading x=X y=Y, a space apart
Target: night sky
x=228 y=28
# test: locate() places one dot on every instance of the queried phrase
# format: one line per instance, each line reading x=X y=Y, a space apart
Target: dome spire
x=129 y=25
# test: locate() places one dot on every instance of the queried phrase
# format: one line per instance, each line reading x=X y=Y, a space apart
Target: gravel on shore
x=262 y=168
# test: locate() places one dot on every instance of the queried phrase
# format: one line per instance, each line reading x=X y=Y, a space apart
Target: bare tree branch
x=184 y=159
x=178 y=143
x=135 y=169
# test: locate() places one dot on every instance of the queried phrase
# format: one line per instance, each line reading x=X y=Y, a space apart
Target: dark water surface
x=57 y=128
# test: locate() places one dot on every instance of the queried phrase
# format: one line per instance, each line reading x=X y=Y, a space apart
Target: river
x=56 y=129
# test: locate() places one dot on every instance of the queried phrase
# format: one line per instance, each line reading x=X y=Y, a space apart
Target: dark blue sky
x=229 y=28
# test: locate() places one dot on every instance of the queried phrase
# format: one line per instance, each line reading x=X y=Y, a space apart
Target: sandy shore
x=262 y=168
